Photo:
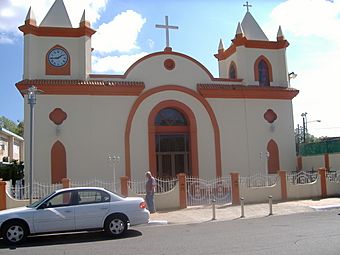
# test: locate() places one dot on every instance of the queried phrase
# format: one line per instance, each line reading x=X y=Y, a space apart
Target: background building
x=11 y=146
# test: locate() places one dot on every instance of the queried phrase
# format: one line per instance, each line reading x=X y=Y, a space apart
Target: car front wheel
x=14 y=232
x=116 y=225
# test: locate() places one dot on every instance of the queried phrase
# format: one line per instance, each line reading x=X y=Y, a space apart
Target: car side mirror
x=43 y=206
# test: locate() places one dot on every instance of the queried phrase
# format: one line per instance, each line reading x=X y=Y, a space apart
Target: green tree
x=20 y=129
x=11 y=126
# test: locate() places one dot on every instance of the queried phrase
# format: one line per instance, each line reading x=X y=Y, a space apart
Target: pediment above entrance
x=165 y=68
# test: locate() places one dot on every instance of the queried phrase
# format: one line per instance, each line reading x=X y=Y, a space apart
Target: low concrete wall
x=163 y=201
x=333 y=188
x=260 y=194
x=13 y=203
x=303 y=191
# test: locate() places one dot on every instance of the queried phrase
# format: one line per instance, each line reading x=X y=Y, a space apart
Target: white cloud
x=311 y=27
x=4 y=39
x=115 y=64
x=120 y=34
x=13 y=13
x=309 y=18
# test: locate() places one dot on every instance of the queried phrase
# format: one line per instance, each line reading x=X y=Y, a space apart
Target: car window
x=92 y=196
x=62 y=199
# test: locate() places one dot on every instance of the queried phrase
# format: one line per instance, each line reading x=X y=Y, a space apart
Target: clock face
x=57 y=57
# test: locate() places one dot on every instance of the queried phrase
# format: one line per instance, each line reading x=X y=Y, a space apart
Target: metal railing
x=39 y=190
x=259 y=180
x=201 y=192
x=302 y=177
x=106 y=184
x=162 y=185
x=333 y=176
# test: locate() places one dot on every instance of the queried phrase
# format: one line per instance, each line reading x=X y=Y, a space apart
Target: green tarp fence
x=310 y=149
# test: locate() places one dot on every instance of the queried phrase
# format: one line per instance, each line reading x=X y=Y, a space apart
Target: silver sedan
x=74 y=209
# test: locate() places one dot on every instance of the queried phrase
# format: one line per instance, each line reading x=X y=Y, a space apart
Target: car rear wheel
x=15 y=232
x=116 y=225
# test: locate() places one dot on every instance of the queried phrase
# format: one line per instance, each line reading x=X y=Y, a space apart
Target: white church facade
x=166 y=113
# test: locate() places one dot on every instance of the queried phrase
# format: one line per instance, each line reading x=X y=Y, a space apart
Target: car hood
x=15 y=210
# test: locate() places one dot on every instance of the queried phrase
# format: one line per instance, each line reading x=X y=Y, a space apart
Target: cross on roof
x=167 y=27
x=247 y=5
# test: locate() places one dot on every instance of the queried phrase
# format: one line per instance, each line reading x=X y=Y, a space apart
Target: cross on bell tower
x=167 y=27
x=247 y=5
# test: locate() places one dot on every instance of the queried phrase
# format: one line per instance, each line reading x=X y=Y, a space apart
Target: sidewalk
x=198 y=214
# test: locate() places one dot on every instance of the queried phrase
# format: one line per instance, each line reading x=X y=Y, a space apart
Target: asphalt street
x=302 y=233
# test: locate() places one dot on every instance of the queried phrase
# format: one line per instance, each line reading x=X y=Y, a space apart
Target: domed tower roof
x=57 y=16
x=252 y=30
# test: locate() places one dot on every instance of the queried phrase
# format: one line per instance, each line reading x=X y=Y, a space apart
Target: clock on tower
x=57 y=61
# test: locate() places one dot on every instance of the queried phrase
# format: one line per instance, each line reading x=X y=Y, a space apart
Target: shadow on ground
x=68 y=238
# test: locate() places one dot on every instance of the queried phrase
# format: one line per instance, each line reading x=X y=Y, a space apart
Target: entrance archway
x=172 y=140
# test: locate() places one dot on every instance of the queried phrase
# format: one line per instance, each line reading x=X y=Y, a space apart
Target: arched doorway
x=172 y=143
x=172 y=140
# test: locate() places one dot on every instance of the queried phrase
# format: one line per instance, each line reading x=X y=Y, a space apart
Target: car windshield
x=38 y=202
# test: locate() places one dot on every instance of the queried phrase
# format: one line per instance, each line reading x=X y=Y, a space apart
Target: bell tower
x=54 y=49
x=252 y=57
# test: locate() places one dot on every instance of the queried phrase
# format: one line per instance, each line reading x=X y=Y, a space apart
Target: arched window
x=263 y=71
x=170 y=117
x=232 y=71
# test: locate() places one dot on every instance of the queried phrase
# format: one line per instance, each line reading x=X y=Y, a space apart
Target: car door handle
x=68 y=211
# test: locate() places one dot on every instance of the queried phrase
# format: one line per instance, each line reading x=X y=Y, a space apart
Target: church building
x=166 y=113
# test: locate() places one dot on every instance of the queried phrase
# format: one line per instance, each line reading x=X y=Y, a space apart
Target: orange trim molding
x=56 y=31
x=190 y=92
x=192 y=132
x=326 y=160
x=283 y=180
x=243 y=41
x=240 y=91
x=323 y=181
x=90 y=87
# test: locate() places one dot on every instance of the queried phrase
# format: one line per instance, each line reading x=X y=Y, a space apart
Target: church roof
x=252 y=30
x=57 y=16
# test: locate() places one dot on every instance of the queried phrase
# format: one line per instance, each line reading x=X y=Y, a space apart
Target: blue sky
x=126 y=31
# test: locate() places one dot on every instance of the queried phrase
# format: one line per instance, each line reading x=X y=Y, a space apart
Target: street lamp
x=31 y=100
x=304 y=125
x=115 y=159
x=291 y=75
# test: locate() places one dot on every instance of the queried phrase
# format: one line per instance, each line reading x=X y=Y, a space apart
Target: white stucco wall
x=94 y=127
x=260 y=194
x=36 y=48
x=245 y=58
x=245 y=134
x=152 y=72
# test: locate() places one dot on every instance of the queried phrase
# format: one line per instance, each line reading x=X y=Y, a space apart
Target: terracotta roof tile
x=82 y=82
